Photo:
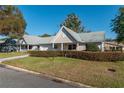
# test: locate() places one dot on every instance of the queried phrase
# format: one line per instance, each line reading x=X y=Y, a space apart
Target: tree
x=118 y=25
x=45 y=35
x=87 y=31
x=26 y=33
x=72 y=21
x=109 y=39
x=12 y=23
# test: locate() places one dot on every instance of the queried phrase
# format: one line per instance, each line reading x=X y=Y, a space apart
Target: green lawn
x=91 y=73
x=11 y=54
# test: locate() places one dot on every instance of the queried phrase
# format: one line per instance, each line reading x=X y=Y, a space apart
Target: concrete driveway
x=14 y=79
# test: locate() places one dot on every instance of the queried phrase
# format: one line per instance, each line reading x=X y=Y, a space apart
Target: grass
x=92 y=73
x=11 y=54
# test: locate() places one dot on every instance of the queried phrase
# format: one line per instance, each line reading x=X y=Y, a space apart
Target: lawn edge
x=72 y=83
x=13 y=58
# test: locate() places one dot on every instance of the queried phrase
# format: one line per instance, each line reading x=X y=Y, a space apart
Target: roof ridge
x=37 y=36
x=91 y=32
x=69 y=29
x=75 y=35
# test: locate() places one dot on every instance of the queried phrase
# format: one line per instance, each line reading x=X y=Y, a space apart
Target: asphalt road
x=15 y=79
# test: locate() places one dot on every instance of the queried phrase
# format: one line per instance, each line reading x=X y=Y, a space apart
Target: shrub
x=94 y=56
x=46 y=53
x=92 y=47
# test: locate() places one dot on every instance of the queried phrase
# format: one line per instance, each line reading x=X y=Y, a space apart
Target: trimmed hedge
x=46 y=53
x=94 y=56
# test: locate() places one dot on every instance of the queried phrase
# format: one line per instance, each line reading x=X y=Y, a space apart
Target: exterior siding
x=34 y=48
x=113 y=45
x=45 y=47
x=81 y=47
x=64 y=38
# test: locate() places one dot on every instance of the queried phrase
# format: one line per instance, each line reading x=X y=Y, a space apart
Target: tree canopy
x=45 y=35
x=26 y=33
x=12 y=23
x=118 y=25
x=72 y=21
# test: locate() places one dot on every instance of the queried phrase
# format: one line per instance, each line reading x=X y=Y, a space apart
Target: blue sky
x=47 y=19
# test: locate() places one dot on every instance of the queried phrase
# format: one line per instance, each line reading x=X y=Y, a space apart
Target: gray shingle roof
x=86 y=37
x=34 y=40
x=73 y=34
x=80 y=37
x=92 y=36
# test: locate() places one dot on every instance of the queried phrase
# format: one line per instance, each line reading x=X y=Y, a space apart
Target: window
x=119 y=48
x=69 y=47
x=72 y=47
x=112 y=48
x=55 y=47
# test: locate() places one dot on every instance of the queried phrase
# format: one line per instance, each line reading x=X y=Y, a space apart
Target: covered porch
x=67 y=46
x=26 y=47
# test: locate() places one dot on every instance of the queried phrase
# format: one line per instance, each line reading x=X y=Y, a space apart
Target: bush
x=92 y=47
x=46 y=53
x=97 y=56
x=94 y=56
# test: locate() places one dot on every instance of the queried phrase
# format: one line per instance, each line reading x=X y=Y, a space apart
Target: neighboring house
x=113 y=46
x=2 y=41
x=65 y=39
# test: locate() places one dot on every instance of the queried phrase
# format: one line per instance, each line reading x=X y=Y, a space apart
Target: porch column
x=77 y=46
x=122 y=48
x=102 y=47
x=20 y=48
x=61 y=46
x=53 y=45
x=27 y=47
x=17 y=50
x=115 y=47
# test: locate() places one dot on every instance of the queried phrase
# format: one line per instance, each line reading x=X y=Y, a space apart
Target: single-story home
x=113 y=46
x=65 y=39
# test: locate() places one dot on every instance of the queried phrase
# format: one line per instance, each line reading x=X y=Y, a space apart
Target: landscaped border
x=94 y=56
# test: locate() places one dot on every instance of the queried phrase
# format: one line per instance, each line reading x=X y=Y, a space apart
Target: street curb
x=72 y=83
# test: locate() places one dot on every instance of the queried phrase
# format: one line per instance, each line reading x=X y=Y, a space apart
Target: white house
x=65 y=39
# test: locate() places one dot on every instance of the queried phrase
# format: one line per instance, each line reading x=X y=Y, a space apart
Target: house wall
x=21 y=41
x=45 y=47
x=65 y=46
x=81 y=47
x=123 y=48
x=34 y=48
x=109 y=46
x=64 y=37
